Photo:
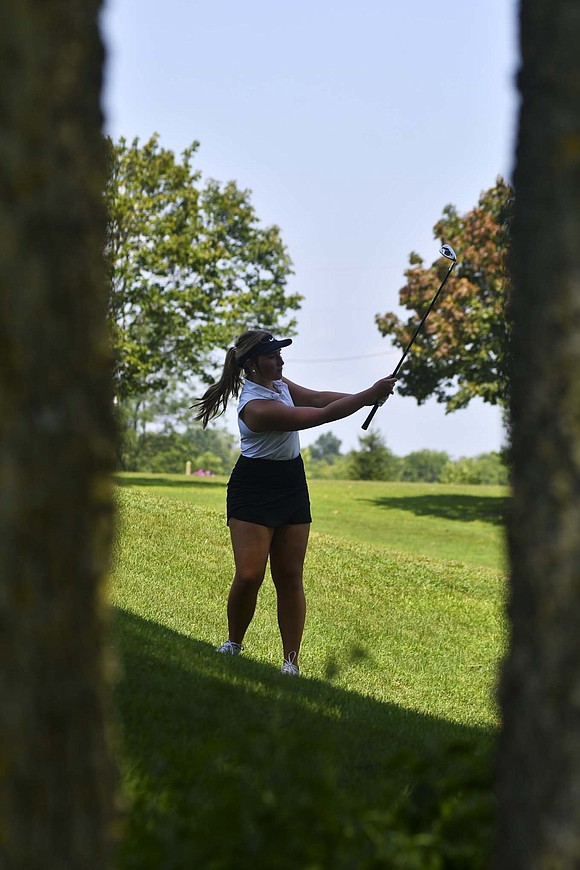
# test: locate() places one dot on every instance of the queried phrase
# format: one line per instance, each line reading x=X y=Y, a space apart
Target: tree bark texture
x=538 y=780
x=56 y=437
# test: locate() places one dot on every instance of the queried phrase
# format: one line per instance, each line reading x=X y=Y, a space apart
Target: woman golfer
x=268 y=508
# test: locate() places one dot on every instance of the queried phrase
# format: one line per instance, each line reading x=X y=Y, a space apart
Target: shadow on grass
x=466 y=508
x=228 y=763
x=184 y=483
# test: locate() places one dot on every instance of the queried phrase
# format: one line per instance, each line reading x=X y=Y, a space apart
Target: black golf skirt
x=270 y=492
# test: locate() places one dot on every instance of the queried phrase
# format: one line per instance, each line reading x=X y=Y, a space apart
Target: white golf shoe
x=230 y=648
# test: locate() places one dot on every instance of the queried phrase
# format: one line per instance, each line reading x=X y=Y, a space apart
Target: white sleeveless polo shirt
x=267 y=445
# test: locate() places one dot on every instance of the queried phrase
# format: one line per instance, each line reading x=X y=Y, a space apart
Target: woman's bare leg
x=251 y=545
x=287 y=553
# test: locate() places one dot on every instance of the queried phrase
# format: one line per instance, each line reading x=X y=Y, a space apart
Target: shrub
x=487 y=468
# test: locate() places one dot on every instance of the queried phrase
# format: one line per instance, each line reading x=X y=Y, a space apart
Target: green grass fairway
x=463 y=523
x=377 y=755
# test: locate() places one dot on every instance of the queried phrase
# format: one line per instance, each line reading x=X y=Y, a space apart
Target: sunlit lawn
x=224 y=759
x=441 y=521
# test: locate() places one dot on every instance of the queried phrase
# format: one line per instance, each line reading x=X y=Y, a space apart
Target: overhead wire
x=344 y=358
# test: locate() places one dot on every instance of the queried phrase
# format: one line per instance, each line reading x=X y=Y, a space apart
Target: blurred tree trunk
x=56 y=436
x=539 y=759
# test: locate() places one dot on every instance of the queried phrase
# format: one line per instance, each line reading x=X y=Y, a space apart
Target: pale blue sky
x=353 y=124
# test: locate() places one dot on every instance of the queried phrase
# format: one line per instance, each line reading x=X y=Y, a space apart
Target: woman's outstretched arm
x=263 y=415
x=305 y=398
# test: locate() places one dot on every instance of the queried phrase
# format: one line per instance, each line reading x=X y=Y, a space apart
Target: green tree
x=487 y=468
x=168 y=451
x=190 y=267
x=56 y=441
x=374 y=461
x=158 y=423
x=166 y=411
x=423 y=465
x=462 y=350
x=332 y=468
x=326 y=447
x=208 y=461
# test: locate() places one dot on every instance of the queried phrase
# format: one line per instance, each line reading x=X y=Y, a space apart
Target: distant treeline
x=216 y=451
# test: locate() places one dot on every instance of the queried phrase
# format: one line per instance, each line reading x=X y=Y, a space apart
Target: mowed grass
x=440 y=521
x=354 y=764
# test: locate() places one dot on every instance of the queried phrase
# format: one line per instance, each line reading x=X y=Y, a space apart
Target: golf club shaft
x=377 y=405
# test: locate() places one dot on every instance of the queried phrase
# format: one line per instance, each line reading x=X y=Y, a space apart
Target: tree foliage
x=210 y=449
x=487 y=468
x=326 y=447
x=158 y=433
x=374 y=461
x=190 y=266
x=423 y=465
x=462 y=349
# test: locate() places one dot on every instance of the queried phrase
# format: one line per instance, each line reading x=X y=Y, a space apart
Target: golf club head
x=448 y=252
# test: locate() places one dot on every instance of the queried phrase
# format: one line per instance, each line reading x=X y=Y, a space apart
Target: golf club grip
x=372 y=413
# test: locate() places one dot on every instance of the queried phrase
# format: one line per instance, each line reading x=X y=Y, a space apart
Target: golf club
x=448 y=252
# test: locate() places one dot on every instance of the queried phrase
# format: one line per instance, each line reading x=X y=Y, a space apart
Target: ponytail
x=214 y=401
